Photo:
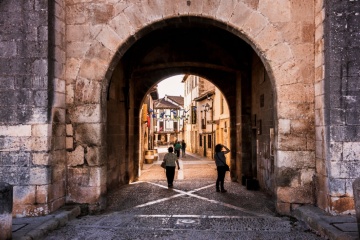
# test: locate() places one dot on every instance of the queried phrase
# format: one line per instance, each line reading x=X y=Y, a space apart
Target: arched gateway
x=81 y=136
x=132 y=46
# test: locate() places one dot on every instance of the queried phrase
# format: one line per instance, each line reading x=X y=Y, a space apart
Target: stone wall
x=342 y=100
x=262 y=120
x=32 y=58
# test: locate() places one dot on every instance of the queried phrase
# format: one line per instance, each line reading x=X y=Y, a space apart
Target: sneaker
x=223 y=191
x=170 y=185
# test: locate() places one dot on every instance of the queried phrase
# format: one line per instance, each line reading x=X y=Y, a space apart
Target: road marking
x=191 y=194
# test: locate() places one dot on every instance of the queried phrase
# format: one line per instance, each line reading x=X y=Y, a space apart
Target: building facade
x=207 y=116
x=168 y=117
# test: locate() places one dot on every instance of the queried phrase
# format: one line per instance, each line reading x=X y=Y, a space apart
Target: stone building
x=207 y=116
x=74 y=74
x=168 y=119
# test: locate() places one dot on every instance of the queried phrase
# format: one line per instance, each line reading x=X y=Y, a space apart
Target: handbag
x=226 y=167
x=163 y=164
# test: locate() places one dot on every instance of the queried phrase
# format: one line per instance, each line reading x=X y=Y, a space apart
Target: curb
x=318 y=220
x=60 y=219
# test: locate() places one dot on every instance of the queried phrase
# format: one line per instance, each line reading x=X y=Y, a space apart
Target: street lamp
x=208 y=108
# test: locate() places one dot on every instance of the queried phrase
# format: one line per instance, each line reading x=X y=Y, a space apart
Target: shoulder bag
x=226 y=167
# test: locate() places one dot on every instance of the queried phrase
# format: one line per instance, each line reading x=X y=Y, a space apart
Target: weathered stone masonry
x=69 y=105
x=341 y=102
x=32 y=112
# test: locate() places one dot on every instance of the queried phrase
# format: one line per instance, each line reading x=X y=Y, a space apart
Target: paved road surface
x=147 y=209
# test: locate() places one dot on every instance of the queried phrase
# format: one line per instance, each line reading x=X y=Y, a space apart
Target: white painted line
x=190 y=193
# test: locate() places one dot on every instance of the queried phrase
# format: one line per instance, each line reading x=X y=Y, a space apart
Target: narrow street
x=147 y=209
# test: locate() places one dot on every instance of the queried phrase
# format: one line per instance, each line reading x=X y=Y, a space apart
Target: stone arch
x=285 y=60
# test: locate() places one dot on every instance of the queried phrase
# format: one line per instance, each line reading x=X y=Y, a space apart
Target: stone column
x=156 y=139
x=356 y=190
x=6 y=203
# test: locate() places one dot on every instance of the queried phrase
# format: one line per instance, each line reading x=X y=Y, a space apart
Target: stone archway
x=96 y=44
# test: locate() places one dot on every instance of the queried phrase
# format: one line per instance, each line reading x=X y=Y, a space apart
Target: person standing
x=177 y=148
x=171 y=161
x=220 y=161
x=183 y=148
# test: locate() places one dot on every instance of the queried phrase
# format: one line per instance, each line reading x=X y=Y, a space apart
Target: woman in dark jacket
x=220 y=162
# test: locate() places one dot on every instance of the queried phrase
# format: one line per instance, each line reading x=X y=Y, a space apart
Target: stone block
x=97 y=176
x=76 y=157
x=90 y=134
x=89 y=113
x=40 y=143
x=76 y=14
x=342 y=205
x=351 y=150
x=8 y=49
x=284 y=126
x=42 y=194
x=283 y=208
x=296 y=159
x=72 y=68
x=300 y=195
x=40 y=159
x=69 y=130
x=100 y=13
x=40 y=176
x=82 y=194
x=59 y=143
x=69 y=143
x=302 y=11
x=58 y=189
x=241 y=13
x=95 y=156
x=255 y=24
x=280 y=13
x=41 y=130
x=78 y=33
x=337 y=187
x=76 y=51
x=87 y=91
x=24 y=195
x=15 y=131
x=110 y=39
x=7 y=82
x=225 y=10
x=292 y=142
x=306 y=176
x=279 y=54
x=31 y=210
x=268 y=37
x=93 y=69
x=291 y=110
x=338 y=169
x=78 y=176
x=99 y=51
x=70 y=94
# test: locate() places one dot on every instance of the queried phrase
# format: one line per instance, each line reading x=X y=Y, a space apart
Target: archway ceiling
x=188 y=49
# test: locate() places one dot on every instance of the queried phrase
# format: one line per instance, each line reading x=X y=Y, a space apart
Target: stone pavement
x=147 y=209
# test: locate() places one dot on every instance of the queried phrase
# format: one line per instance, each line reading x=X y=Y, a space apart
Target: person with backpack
x=177 y=148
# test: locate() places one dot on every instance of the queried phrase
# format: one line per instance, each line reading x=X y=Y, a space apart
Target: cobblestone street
x=147 y=209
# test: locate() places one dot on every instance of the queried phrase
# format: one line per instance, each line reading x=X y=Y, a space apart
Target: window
x=209 y=141
x=193 y=115
x=161 y=125
x=200 y=140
